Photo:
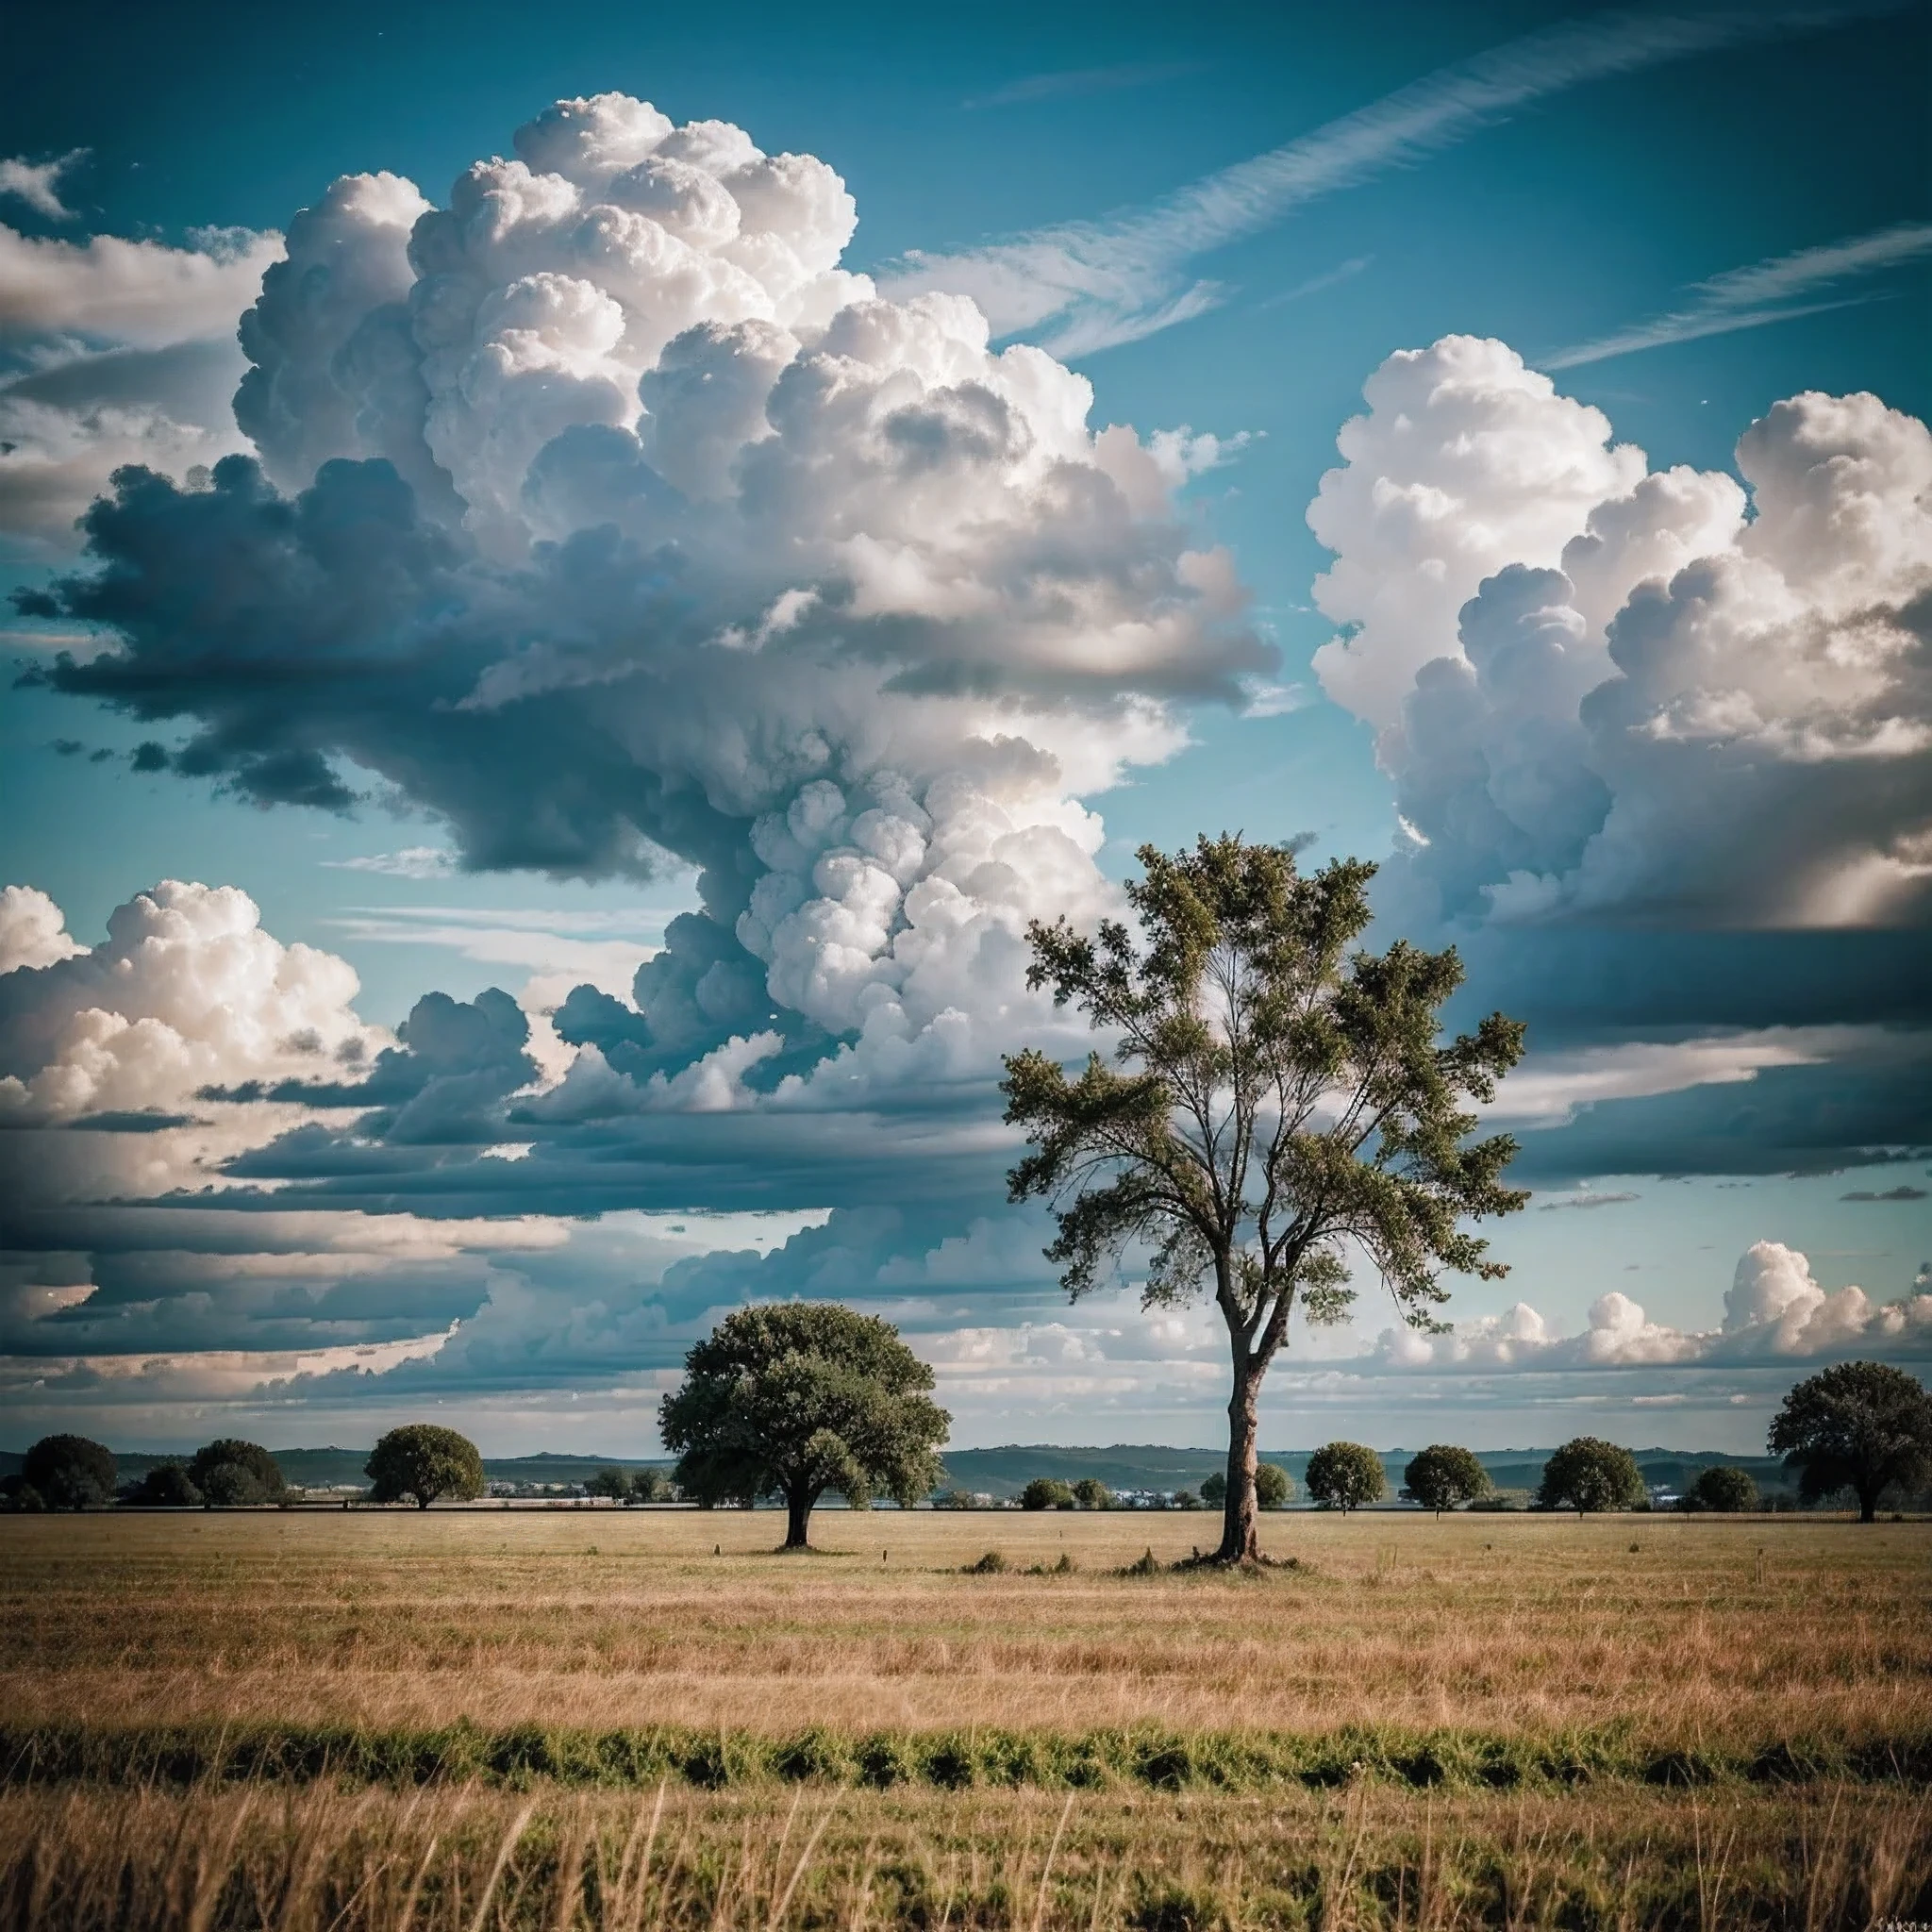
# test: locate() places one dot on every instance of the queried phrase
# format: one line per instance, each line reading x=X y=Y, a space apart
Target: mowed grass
x=649 y=1719
x=1686 y=1631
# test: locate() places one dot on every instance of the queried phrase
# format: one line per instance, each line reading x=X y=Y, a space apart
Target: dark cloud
x=1902 y=1192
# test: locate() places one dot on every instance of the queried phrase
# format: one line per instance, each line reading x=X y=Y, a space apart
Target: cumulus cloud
x=1596 y=683
x=609 y=518
x=1773 y=1310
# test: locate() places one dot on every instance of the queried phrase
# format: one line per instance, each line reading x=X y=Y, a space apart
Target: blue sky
x=1648 y=743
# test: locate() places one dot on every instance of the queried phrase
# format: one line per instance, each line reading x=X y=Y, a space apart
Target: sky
x=574 y=582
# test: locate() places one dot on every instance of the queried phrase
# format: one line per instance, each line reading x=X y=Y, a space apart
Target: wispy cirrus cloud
x=1764 y=292
x=1073 y=81
x=1094 y=284
x=38 y=183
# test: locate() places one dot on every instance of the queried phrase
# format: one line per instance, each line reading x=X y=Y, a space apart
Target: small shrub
x=991 y=1565
x=1144 y=1565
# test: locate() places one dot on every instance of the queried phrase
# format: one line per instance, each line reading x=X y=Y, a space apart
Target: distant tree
x=1444 y=1477
x=423 y=1461
x=1586 y=1476
x=952 y=1499
x=231 y=1485
x=1345 y=1477
x=70 y=1471
x=252 y=1456
x=795 y=1399
x=1214 y=1489
x=1722 y=1491
x=1186 y=1499
x=1046 y=1492
x=1282 y=1098
x=24 y=1498
x=612 y=1482
x=1862 y=1426
x=167 y=1485
x=1274 y=1486
x=1091 y=1493
x=652 y=1486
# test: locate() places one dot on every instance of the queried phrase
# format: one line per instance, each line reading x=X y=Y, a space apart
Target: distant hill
x=1005 y=1471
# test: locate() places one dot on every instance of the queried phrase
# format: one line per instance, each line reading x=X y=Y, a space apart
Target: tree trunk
x=1868 y=1501
x=1240 y=1524
x=798 y=1519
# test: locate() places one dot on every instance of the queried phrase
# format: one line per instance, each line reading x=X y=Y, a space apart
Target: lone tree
x=799 y=1398
x=1276 y=1099
x=423 y=1461
x=612 y=1482
x=1345 y=1477
x=1274 y=1486
x=1721 y=1490
x=1091 y=1493
x=1855 y=1425
x=1587 y=1475
x=70 y=1471
x=1443 y=1476
x=266 y=1483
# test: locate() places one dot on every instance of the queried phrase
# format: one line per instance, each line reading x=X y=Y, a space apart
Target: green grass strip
x=181 y=1755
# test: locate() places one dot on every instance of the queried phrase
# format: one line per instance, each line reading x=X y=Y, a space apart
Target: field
x=646 y=1719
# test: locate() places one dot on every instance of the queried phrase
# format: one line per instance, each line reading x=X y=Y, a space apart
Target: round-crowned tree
x=1855 y=1425
x=1723 y=1491
x=423 y=1461
x=1091 y=1493
x=167 y=1485
x=612 y=1482
x=232 y=1486
x=1214 y=1488
x=252 y=1458
x=1443 y=1476
x=1274 y=1486
x=1587 y=1475
x=1345 y=1477
x=801 y=1398
x=1046 y=1492
x=70 y=1471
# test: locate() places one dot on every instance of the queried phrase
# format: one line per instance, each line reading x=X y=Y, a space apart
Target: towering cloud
x=603 y=512
x=1596 y=685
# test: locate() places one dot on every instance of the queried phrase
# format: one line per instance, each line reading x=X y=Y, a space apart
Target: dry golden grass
x=460 y=1860
x=1697 y=1630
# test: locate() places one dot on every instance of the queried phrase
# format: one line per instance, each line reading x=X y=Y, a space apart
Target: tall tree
x=1855 y=1425
x=799 y=1398
x=70 y=1471
x=1587 y=1475
x=1443 y=1475
x=1277 y=1100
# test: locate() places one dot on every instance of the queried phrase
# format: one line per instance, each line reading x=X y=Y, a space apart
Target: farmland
x=1491 y=1718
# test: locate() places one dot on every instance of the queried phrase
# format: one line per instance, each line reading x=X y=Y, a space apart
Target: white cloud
x=411 y=862
x=1598 y=685
x=1773 y=1310
x=38 y=183
x=116 y=352
x=33 y=932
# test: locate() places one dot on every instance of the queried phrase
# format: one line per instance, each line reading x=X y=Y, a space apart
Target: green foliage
x=1862 y=1426
x=952 y=1499
x=1724 y=1492
x=1443 y=1476
x=423 y=1461
x=1345 y=1477
x=167 y=1485
x=22 y=1498
x=1274 y=1486
x=1588 y=1474
x=612 y=1482
x=1214 y=1489
x=1046 y=1492
x=652 y=1486
x=264 y=1472
x=1091 y=1493
x=799 y=1398
x=1279 y=1099
x=70 y=1471
x=231 y=1485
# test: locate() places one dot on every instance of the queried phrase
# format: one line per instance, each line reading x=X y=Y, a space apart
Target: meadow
x=645 y=1717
